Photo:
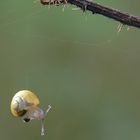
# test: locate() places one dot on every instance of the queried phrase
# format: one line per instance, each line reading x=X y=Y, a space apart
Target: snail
x=25 y=105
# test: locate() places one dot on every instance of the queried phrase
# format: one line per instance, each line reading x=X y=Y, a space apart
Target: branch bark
x=95 y=8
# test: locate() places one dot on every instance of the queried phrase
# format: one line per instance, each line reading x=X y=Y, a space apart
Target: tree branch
x=95 y=8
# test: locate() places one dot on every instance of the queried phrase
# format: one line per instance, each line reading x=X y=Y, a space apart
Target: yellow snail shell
x=22 y=101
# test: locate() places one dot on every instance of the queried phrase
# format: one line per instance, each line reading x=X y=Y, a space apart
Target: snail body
x=25 y=105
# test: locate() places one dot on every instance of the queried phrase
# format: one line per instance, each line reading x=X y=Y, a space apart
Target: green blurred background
x=75 y=61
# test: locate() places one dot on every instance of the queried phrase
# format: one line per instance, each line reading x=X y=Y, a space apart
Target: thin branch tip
x=96 y=8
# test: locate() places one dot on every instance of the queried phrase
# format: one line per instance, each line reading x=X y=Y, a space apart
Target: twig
x=96 y=8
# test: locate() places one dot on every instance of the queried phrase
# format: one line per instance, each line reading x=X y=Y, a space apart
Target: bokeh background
x=75 y=61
